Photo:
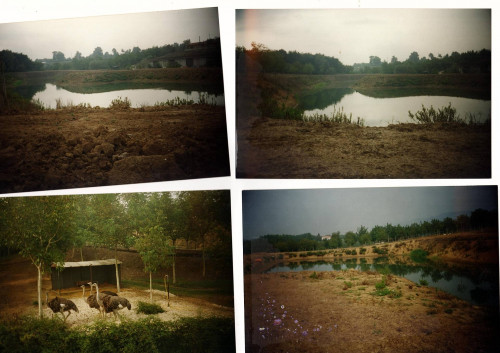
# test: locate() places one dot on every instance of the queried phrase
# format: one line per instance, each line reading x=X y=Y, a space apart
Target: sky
x=325 y=211
x=353 y=35
x=38 y=39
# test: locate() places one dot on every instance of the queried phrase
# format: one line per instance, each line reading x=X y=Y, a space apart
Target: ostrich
x=114 y=304
x=91 y=299
x=60 y=305
x=99 y=297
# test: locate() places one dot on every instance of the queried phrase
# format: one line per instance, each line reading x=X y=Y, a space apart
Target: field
x=368 y=311
x=79 y=146
x=279 y=148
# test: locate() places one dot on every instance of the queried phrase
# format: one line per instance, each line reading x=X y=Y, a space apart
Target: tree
x=109 y=227
x=58 y=56
x=375 y=61
x=363 y=235
x=205 y=212
x=97 y=52
x=41 y=228
x=414 y=57
x=78 y=56
x=350 y=238
x=155 y=250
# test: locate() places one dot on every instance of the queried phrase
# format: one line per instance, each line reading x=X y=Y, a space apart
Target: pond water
x=385 y=111
x=477 y=285
x=137 y=96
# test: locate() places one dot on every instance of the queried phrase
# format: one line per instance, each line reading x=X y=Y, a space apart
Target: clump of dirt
x=70 y=148
x=342 y=312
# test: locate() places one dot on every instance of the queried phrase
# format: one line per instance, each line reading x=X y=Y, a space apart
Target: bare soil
x=274 y=148
x=85 y=147
x=338 y=312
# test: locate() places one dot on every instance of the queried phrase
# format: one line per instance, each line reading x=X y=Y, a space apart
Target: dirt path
x=69 y=148
x=273 y=148
x=338 y=312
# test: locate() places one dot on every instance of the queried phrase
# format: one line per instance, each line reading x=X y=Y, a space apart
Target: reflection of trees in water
x=28 y=92
x=323 y=99
x=309 y=265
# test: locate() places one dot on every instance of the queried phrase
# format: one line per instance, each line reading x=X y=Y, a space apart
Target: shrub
x=423 y=282
x=419 y=255
x=119 y=103
x=314 y=275
x=148 y=308
x=362 y=251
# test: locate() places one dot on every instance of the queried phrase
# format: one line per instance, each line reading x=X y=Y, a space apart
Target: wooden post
x=167 y=289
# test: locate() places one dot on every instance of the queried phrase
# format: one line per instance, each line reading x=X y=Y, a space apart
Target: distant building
x=326 y=237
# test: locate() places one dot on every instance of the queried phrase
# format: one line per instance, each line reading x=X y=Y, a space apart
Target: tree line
x=100 y=59
x=293 y=62
x=44 y=229
x=478 y=219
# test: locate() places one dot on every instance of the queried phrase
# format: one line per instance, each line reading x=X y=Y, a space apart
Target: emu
x=60 y=305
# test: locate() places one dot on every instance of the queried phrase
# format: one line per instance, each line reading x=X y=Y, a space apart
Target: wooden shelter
x=74 y=274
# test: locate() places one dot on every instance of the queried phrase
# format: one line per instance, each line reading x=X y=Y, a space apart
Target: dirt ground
x=273 y=148
x=337 y=312
x=18 y=292
x=86 y=147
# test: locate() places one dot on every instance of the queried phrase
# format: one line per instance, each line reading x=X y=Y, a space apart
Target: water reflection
x=377 y=111
x=138 y=97
x=475 y=284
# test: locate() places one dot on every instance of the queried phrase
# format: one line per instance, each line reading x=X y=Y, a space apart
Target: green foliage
x=314 y=275
x=379 y=251
x=177 y=101
x=119 y=103
x=147 y=335
x=337 y=117
x=419 y=255
x=148 y=308
x=16 y=62
x=423 y=282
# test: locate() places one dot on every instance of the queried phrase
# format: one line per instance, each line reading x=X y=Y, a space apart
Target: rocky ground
x=85 y=147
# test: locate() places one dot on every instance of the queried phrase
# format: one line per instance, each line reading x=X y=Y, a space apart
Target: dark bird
x=60 y=305
x=95 y=300
x=114 y=304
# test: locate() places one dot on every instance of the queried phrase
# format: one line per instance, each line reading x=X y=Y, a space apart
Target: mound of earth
x=85 y=147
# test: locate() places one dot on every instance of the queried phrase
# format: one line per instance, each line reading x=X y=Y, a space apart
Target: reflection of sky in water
x=458 y=285
x=137 y=97
x=384 y=111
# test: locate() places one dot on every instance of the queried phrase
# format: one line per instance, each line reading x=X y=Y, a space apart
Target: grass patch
x=149 y=309
x=314 y=275
x=28 y=334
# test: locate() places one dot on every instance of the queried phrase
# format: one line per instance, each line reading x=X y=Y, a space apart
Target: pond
x=390 y=110
x=137 y=96
x=476 y=284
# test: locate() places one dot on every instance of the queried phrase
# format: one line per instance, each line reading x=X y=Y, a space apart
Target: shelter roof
x=88 y=263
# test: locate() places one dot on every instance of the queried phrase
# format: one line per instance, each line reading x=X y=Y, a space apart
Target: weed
x=347 y=285
x=119 y=103
x=419 y=255
x=314 y=275
x=423 y=282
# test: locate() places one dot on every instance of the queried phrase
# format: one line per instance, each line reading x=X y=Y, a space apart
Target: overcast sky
x=353 y=35
x=325 y=211
x=39 y=39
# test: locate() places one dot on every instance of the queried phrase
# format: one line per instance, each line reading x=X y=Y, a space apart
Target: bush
x=419 y=255
x=148 y=308
x=119 y=103
x=192 y=335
